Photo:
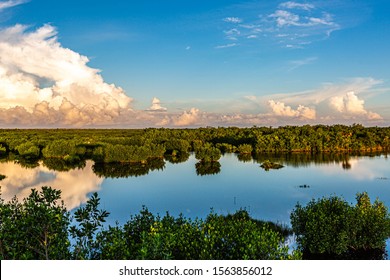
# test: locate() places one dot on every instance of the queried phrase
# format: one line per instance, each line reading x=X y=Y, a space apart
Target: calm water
x=240 y=183
x=269 y=195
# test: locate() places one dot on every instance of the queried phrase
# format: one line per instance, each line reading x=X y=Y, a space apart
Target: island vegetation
x=208 y=144
x=267 y=165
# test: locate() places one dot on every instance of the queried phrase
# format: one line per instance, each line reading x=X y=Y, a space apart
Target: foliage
x=330 y=228
x=175 y=146
x=122 y=153
x=208 y=153
x=28 y=150
x=245 y=149
x=36 y=228
x=89 y=219
x=139 y=145
x=238 y=236
x=267 y=165
x=3 y=150
x=61 y=149
x=226 y=148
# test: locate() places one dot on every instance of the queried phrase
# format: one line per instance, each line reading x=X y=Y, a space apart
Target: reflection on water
x=192 y=188
x=74 y=184
x=207 y=168
x=124 y=170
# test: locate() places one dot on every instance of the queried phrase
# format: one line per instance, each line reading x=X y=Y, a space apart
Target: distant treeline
x=208 y=144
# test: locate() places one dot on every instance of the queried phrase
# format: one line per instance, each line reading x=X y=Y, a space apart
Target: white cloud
x=282 y=110
x=299 y=23
x=232 y=19
x=188 y=118
x=156 y=106
x=295 y=5
x=285 y=18
x=332 y=103
x=11 y=3
x=38 y=76
x=350 y=105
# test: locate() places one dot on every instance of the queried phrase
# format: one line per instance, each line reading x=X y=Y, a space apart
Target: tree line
x=208 y=144
x=40 y=227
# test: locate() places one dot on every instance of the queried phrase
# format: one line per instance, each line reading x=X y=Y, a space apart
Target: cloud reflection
x=75 y=184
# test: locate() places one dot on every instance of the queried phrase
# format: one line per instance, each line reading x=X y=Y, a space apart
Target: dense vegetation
x=330 y=228
x=144 y=145
x=41 y=228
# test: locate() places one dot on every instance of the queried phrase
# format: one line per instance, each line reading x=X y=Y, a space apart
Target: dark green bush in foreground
x=330 y=228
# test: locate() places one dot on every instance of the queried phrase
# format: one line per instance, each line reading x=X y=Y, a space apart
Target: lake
x=236 y=183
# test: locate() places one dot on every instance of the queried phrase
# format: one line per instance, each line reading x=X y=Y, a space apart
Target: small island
x=267 y=165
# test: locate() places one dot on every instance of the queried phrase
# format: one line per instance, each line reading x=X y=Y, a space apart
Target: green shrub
x=207 y=153
x=28 y=150
x=36 y=228
x=245 y=149
x=330 y=228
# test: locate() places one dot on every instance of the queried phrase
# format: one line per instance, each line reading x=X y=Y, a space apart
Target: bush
x=245 y=149
x=60 y=149
x=238 y=236
x=36 y=228
x=28 y=150
x=330 y=228
x=207 y=153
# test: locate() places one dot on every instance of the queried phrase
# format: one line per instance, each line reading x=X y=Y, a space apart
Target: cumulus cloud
x=350 y=105
x=188 y=118
x=332 y=103
x=282 y=110
x=41 y=81
x=156 y=106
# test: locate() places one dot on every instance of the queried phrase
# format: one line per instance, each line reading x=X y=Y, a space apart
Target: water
x=269 y=195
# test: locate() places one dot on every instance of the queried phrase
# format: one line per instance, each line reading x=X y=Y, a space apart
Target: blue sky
x=193 y=63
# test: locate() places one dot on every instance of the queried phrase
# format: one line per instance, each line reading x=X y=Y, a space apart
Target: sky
x=182 y=63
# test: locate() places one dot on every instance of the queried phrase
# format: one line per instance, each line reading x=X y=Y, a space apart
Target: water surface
x=177 y=188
